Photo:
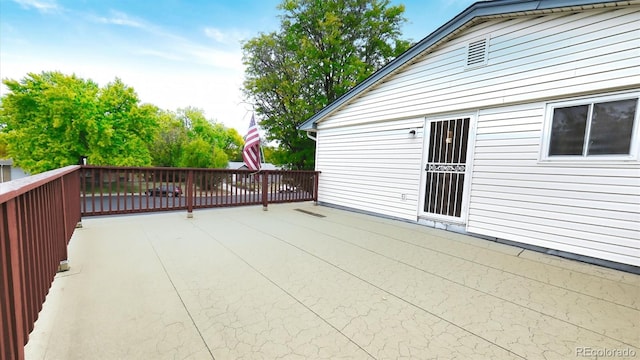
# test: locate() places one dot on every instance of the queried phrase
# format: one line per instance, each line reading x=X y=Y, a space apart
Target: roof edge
x=476 y=10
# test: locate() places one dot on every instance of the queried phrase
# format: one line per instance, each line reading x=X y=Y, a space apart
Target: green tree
x=3 y=146
x=268 y=153
x=186 y=138
x=126 y=128
x=51 y=119
x=230 y=141
x=169 y=141
x=199 y=153
x=206 y=142
x=323 y=49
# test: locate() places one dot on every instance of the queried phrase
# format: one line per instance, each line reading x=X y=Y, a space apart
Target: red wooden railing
x=38 y=215
x=119 y=190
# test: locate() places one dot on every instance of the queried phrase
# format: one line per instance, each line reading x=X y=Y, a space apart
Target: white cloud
x=167 y=69
x=215 y=91
x=225 y=36
x=231 y=60
x=177 y=48
x=44 y=6
x=119 y=18
x=215 y=34
x=160 y=54
x=170 y=46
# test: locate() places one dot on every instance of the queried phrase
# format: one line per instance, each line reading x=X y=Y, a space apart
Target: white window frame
x=548 y=122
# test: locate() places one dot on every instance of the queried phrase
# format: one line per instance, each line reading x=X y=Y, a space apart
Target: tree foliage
x=322 y=50
x=127 y=127
x=3 y=146
x=203 y=148
x=187 y=139
x=51 y=119
x=168 y=143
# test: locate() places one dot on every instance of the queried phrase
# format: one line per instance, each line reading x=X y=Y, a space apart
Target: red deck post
x=17 y=335
x=316 y=180
x=265 y=190
x=190 y=189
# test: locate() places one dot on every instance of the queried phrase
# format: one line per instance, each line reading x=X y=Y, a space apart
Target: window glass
x=568 y=130
x=611 y=127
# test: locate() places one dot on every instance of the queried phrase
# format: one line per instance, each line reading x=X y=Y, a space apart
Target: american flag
x=251 y=151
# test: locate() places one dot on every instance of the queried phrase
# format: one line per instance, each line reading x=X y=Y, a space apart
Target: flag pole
x=261 y=155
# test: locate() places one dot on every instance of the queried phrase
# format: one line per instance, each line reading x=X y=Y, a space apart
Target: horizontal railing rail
x=121 y=190
x=38 y=215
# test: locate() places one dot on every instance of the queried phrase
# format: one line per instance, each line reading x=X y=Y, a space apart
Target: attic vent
x=477 y=53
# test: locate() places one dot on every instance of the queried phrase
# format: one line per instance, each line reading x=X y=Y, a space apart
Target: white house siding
x=374 y=167
x=17 y=173
x=584 y=209
x=529 y=58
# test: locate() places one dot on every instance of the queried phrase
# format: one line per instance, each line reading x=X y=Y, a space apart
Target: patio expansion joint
x=490 y=294
x=395 y=296
x=284 y=290
x=484 y=248
x=178 y=294
x=481 y=264
x=454 y=282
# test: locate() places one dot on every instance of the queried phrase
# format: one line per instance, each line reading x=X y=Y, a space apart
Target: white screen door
x=446 y=165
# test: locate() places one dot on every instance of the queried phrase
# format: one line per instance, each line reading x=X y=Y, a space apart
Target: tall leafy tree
x=222 y=143
x=126 y=127
x=199 y=153
x=168 y=144
x=187 y=139
x=51 y=119
x=323 y=49
x=203 y=148
x=230 y=141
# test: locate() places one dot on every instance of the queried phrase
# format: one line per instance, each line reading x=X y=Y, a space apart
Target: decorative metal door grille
x=446 y=166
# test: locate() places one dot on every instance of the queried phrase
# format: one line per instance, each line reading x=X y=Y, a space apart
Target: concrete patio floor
x=242 y=283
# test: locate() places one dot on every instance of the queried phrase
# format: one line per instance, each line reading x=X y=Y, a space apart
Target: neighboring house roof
x=238 y=165
x=479 y=10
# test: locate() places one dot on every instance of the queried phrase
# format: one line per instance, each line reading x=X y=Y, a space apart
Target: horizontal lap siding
x=587 y=209
x=369 y=168
x=530 y=58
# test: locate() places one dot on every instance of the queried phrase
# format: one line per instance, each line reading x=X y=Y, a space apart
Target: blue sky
x=174 y=53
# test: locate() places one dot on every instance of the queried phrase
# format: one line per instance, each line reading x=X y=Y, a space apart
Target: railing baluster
x=190 y=191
